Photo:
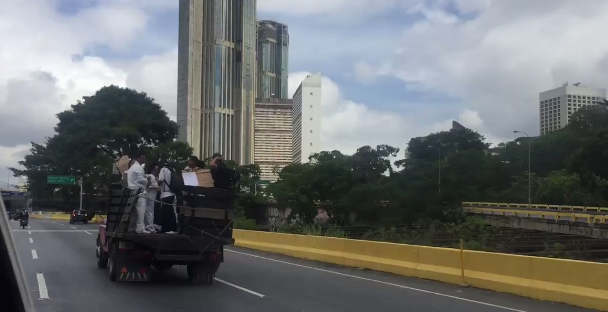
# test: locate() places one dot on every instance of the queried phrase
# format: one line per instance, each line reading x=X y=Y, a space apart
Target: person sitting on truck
x=168 y=216
x=222 y=175
x=136 y=178
x=152 y=172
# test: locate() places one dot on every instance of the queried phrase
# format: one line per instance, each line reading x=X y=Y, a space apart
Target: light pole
x=438 y=164
x=529 y=171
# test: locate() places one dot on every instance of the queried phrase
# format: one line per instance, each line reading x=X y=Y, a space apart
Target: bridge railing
x=536 y=206
x=574 y=216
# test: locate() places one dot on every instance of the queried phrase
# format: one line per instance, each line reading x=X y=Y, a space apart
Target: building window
x=311 y=118
x=310 y=143
x=310 y=106
x=310 y=93
x=310 y=131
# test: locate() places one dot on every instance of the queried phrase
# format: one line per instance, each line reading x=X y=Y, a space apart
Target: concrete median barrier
x=63 y=217
x=577 y=283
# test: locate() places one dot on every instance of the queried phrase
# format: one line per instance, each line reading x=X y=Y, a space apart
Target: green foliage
x=91 y=134
x=568 y=167
x=245 y=224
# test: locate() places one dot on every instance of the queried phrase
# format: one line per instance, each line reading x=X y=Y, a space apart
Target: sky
x=393 y=69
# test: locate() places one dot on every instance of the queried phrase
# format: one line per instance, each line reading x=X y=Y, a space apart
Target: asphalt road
x=59 y=263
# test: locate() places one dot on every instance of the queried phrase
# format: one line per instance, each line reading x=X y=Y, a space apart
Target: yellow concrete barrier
x=65 y=217
x=578 y=283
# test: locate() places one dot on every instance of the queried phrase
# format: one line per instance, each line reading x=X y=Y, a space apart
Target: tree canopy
x=376 y=186
x=94 y=132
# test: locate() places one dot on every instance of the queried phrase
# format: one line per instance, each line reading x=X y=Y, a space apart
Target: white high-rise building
x=307 y=119
x=273 y=136
x=557 y=105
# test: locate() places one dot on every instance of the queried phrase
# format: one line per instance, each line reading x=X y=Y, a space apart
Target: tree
x=448 y=142
x=119 y=120
x=563 y=188
x=93 y=133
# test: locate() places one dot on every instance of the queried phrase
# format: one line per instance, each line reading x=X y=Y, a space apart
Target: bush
x=245 y=224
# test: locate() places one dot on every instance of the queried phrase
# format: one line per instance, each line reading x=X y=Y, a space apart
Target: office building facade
x=306 y=116
x=216 y=77
x=557 y=105
x=273 y=136
x=272 y=60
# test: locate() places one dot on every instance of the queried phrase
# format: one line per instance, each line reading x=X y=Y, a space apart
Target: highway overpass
x=565 y=219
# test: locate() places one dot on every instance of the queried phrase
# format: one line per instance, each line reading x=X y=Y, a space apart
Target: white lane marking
x=88 y=232
x=53 y=221
x=34 y=254
x=31 y=240
x=44 y=292
x=379 y=282
x=48 y=231
x=73 y=227
x=239 y=287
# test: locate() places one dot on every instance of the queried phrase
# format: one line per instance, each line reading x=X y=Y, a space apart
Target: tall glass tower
x=272 y=62
x=216 y=77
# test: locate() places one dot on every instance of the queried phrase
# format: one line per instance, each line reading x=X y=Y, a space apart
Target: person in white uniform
x=136 y=178
x=151 y=193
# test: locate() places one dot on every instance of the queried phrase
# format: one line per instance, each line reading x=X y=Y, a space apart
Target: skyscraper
x=216 y=77
x=273 y=136
x=272 y=60
x=557 y=105
x=306 y=118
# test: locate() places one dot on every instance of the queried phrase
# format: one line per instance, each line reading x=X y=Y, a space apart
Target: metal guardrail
x=536 y=206
x=591 y=219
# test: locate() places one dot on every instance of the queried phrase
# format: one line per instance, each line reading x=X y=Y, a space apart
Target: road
x=59 y=263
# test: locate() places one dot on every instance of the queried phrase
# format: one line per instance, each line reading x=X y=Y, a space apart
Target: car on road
x=79 y=216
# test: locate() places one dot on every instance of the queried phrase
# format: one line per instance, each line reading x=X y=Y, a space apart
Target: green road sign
x=61 y=180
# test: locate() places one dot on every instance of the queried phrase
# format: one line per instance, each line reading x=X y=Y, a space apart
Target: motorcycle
x=23 y=222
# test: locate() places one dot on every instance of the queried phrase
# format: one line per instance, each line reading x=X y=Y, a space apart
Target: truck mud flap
x=141 y=275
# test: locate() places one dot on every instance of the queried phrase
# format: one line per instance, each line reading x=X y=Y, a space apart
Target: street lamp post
x=529 y=171
x=438 y=164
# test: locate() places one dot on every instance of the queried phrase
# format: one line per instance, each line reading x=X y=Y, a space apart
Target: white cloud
x=364 y=73
x=328 y=7
x=347 y=125
x=157 y=75
x=40 y=74
x=497 y=62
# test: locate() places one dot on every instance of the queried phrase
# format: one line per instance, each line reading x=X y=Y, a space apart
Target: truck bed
x=174 y=246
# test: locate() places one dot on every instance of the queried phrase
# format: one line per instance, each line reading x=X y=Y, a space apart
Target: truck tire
x=201 y=273
x=113 y=271
x=102 y=256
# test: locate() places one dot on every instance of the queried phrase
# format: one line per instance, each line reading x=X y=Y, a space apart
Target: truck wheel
x=102 y=256
x=113 y=256
x=201 y=273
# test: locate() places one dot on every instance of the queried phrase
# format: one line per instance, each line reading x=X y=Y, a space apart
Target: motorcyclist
x=19 y=215
x=24 y=217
